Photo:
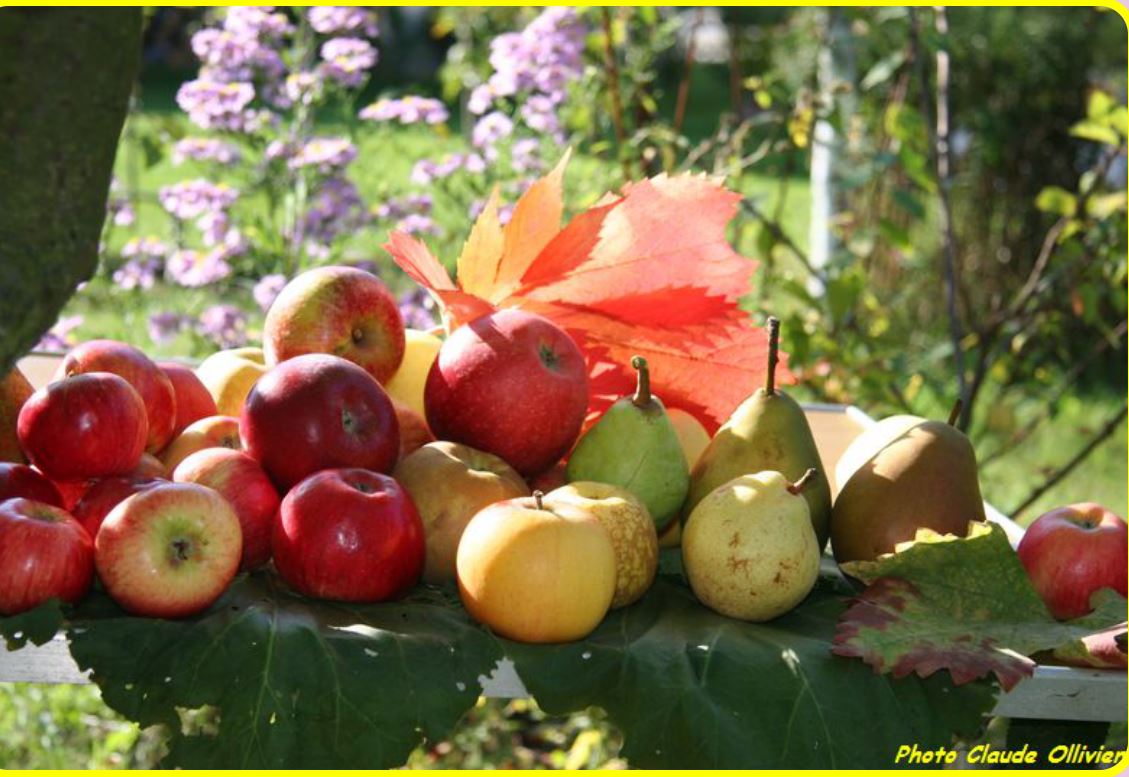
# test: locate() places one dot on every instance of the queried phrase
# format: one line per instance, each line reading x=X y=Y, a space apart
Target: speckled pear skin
x=749 y=549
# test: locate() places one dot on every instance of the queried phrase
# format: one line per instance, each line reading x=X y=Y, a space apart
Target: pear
x=14 y=391
x=634 y=446
x=923 y=477
x=768 y=431
x=749 y=549
x=874 y=439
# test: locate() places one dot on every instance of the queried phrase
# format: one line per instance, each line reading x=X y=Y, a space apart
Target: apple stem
x=773 y=348
x=807 y=477
x=642 y=396
x=955 y=413
x=537 y=499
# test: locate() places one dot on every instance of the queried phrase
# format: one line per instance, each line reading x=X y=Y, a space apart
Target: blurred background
x=936 y=199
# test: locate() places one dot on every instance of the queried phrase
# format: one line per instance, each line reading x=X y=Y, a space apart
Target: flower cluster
x=326 y=155
x=407 y=110
x=411 y=214
x=205 y=150
x=533 y=69
x=347 y=61
x=336 y=209
x=425 y=170
x=144 y=261
x=418 y=309
x=341 y=20
x=58 y=337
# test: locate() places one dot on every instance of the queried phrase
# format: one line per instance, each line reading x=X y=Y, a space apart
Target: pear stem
x=799 y=485
x=955 y=414
x=642 y=396
x=773 y=348
x=537 y=499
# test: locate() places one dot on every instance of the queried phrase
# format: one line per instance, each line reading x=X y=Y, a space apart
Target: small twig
x=1105 y=432
x=781 y=237
x=687 y=71
x=1064 y=387
x=938 y=130
x=735 y=80
x=614 y=96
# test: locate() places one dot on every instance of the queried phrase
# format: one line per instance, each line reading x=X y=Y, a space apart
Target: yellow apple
x=631 y=528
x=420 y=350
x=14 y=391
x=449 y=483
x=229 y=376
x=749 y=549
x=534 y=572
x=216 y=431
x=692 y=436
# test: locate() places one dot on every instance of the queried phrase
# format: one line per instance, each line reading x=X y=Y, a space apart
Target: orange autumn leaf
x=647 y=272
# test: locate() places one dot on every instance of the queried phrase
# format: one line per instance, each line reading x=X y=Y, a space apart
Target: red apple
x=193 y=401
x=414 y=433
x=84 y=426
x=513 y=384
x=14 y=391
x=1071 y=552
x=241 y=481
x=350 y=535
x=317 y=412
x=44 y=554
x=338 y=310
x=139 y=371
x=20 y=480
x=150 y=467
x=72 y=490
x=103 y=496
x=215 y=431
x=168 y=551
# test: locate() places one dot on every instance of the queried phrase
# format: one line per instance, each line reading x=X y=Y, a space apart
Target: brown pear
x=925 y=477
x=14 y=391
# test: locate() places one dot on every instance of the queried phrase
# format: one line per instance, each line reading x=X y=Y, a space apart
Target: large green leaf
x=691 y=688
x=964 y=604
x=37 y=626
x=297 y=683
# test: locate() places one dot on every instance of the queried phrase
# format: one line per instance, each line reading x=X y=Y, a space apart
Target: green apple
x=749 y=549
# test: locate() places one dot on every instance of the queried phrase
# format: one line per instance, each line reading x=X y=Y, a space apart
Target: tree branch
x=1105 y=432
x=781 y=237
x=687 y=71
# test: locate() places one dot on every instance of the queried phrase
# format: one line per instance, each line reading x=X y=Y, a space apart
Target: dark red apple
x=318 y=412
x=241 y=481
x=103 y=496
x=20 y=480
x=350 y=535
x=44 y=554
x=72 y=490
x=84 y=426
x=1071 y=552
x=139 y=371
x=193 y=401
x=338 y=310
x=510 y=383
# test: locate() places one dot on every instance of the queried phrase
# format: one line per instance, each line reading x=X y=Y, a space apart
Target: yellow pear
x=229 y=376
x=406 y=385
x=631 y=528
x=749 y=549
x=692 y=436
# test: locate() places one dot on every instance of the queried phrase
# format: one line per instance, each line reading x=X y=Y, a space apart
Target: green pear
x=768 y=431
x=921 y=477
x=749 y=549
x=634 y=446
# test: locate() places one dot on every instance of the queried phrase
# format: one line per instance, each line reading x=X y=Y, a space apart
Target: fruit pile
x=360 y=458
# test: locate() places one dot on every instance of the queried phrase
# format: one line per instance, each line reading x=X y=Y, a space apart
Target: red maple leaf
x=647 y=272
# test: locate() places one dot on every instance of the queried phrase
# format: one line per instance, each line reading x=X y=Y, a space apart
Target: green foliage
x=961 y=604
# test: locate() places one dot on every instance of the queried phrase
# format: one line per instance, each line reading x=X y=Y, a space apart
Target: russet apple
x=420 y=350
x=229 y=375
x=44 y=554
x=342 y=311
x=510 y=383
x=104 y=495
x=150 y=382
x=168 y=551
x=630 y=526
x=20 y=480
x=217 y=431
x=193 y=401
x=449 y=483
x=1071 y=552
x=349 y=535
x=241 y=481
x=534 y=573
x=15 y=389
x=317 y=412
x=84 y=426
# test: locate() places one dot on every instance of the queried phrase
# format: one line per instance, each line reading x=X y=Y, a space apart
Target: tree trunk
x=65 y=80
